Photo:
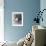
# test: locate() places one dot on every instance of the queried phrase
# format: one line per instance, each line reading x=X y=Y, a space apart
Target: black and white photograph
x=17 y=18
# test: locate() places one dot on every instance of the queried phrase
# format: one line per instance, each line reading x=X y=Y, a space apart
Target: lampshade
x=1 y=3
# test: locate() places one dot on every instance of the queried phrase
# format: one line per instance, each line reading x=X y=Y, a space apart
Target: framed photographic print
x=17 y=18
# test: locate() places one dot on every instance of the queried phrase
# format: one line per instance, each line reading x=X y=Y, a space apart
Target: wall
x=43 y=6
x=28 y=7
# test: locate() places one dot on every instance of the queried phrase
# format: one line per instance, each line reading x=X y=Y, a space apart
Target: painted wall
x=43 y=6
x=29 y=8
